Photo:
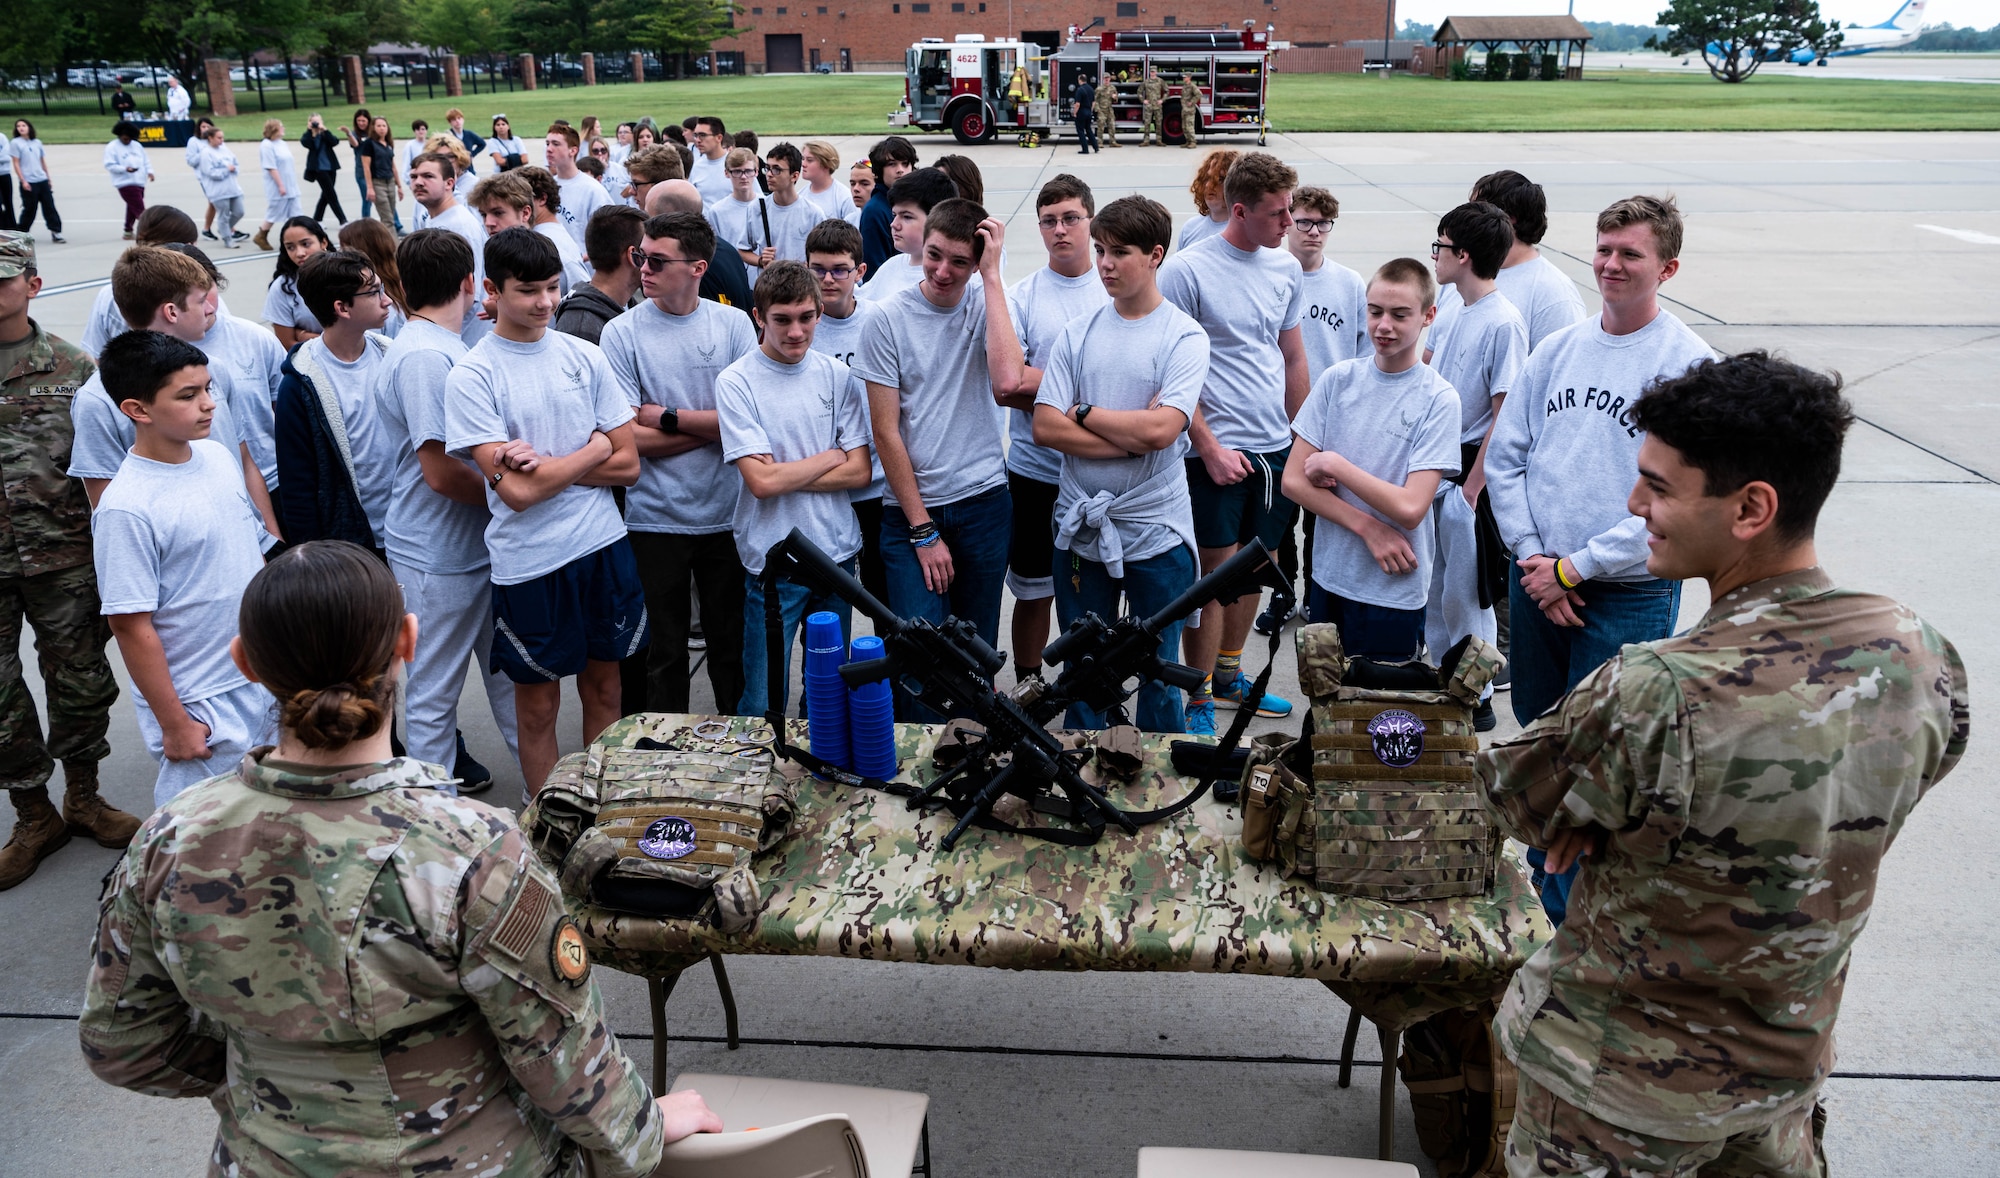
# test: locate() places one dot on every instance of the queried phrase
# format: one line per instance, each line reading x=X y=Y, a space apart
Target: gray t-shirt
x=1546 y=298
x=256 y=363
x=841 y=339
x=1390 y=426
x=790 y=411
x=104 y=435
x=737 y=224
x=674 y=360
x=283 y=307
x=552 y=394
x=1041 y=306
x=899 y=273
x=709 y=178
x=576 y=268
x=1117 y=363
x=426 y=531
x=1481 y=355
x=935 y=357
x=790 y=224
x=1243 y=299
x=373 y=444
x=582 y=196
x=1199 y=229
x=181 y=541
x=1335 y=325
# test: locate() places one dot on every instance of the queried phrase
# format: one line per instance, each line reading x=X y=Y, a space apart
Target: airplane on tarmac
x=1899 y=30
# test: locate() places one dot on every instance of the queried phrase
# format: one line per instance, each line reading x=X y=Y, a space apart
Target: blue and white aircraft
x=1899 y=30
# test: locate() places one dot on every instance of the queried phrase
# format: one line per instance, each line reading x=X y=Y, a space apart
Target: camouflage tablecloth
x=861 y=876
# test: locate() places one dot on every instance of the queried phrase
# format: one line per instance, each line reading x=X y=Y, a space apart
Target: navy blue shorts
x=591 y=609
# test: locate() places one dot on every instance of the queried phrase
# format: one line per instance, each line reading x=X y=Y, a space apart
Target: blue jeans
x=977 y=531
x=1548 y=660
x=1083 y=586
x=367 y=195
x=795 y=601
x=1366 y=631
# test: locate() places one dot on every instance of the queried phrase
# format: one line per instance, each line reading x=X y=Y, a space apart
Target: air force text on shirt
x=1330 y=316
x=1597 y=401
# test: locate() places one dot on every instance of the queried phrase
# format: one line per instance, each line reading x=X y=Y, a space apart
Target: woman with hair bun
x=364 y=972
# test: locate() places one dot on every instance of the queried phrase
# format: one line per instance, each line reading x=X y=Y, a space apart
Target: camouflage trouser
x=1553 y=1137
x=1151 y=130
x=70 y=636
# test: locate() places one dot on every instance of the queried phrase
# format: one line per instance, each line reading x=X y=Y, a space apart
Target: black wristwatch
x=1083 y=411
x=670 y=420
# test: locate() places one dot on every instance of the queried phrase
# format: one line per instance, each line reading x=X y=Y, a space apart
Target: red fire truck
x=967 y=86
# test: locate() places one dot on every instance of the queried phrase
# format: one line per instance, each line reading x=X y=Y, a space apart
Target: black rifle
x=949 y=668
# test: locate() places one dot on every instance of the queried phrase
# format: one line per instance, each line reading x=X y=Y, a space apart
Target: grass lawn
x=1625 y=100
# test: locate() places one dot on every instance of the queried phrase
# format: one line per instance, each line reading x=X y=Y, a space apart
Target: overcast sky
x=1976 y=13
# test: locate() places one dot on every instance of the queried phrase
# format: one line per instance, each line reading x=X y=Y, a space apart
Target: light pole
x=1388 y=31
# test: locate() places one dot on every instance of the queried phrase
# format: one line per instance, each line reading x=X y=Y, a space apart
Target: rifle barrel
x=817 y=567
x=1248 y=561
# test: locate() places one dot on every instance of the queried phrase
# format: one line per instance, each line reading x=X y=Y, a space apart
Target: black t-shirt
x=383 y=155
x=1086 y=98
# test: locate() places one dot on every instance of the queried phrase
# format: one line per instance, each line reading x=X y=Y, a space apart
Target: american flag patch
x=520 y=932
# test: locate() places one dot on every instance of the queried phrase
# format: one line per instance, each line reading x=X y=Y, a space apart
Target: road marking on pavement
x=1970 y=235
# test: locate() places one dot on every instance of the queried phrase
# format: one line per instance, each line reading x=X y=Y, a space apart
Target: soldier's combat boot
x=38 y=832
x=86 y=813
x=262 y=239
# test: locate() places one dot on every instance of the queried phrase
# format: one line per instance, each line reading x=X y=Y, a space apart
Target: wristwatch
x=670 y=420
x=1083 y=411
x=496 y=476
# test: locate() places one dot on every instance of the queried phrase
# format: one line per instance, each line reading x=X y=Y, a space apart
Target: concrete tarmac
x=1871 y=254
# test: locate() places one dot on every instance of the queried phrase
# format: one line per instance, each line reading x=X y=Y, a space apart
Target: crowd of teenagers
x=574 y=427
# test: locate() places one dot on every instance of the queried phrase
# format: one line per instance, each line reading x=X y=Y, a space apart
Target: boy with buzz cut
x=666 y=355
x=1249 y=295
x=793 y=426
x=1480 y=354
x=937 y=426
x=175 y=540
x=336 y=456
x=1374 y=440
x=167 y=292
x=436 y=532
x=910 y=204
x=833 y=255
x=1559 y=473
x=540 y=415
x=1121 y=384
x=1022 y=325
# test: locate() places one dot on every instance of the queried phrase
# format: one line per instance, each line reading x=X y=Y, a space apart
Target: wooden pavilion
x=1537 y=36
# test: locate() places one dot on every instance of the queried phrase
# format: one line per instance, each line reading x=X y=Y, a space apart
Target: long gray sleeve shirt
x=1565 y=451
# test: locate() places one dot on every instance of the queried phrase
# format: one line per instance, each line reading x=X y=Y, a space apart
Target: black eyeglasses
x=654 y=262
x=1440 y=246
x=837 y=273
x=1313 y=227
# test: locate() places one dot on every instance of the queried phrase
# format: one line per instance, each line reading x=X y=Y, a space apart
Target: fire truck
x=966 y=86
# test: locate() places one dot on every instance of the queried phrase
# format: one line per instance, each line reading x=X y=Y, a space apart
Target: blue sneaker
x=1199 y=718
x=1232 y=693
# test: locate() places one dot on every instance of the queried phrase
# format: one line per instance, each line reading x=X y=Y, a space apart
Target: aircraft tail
x=1908 y=18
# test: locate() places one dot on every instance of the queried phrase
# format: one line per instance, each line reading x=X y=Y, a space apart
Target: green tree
x=680 y=29
x=1735 y=37
x=557 y=26
x=39 y=32
x=465 y=27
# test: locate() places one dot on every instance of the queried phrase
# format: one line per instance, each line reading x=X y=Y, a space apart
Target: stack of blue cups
x=871 y=713
x=826 y=691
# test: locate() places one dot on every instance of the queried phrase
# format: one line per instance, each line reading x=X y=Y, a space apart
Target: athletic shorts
x=1253 y=509
x=590 y=610
x=1031 y=551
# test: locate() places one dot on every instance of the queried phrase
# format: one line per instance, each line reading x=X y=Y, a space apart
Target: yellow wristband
x=1562 y=580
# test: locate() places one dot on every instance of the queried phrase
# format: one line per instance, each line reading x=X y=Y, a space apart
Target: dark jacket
x=877 y=246
x=727 y=281
x=471 y=141
x=317 y=496
x=322 y=153
x=585 y=312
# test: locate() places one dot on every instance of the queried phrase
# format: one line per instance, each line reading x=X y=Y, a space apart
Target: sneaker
x=696 y=640
x=128 y=235
x=230 y=242
x=1483 y=719
x=1232 y=693
x=473 y=777
x=1199 y=719
x=1505 y=679
x=210 y=234
x=1282 y=609
x=56 y=237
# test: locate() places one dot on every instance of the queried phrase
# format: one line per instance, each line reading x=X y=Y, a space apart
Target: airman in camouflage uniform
x=1107 y=116
x=1152 y=97
x=1735 y=789
x=364 y=974
x=46 y=575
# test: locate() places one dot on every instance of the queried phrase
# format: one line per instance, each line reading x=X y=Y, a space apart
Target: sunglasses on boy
x=654 y=263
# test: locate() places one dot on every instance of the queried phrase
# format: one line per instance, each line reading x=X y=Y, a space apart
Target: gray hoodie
x=1565 y=453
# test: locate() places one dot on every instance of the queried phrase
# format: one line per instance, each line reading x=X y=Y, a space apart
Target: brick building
x=787 y=36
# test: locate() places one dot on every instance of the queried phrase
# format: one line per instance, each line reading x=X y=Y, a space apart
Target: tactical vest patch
x=1397 y=738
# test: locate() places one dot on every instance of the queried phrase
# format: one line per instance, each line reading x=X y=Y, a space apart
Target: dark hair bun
x=331 y=717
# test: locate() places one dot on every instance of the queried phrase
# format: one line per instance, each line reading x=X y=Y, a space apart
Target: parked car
x=384 y=69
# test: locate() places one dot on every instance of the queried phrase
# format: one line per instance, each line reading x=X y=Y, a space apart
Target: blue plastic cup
x=871 y=711
x=825 y=645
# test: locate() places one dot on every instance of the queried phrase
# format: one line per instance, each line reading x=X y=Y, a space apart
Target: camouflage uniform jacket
x=1751 y=773
x=361 y=972
x=44 y=517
